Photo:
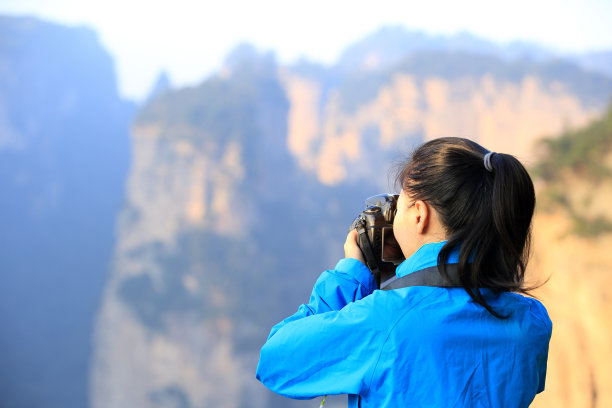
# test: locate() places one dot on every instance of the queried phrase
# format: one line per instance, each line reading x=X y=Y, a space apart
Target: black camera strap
x=426 y=277
x=366 y=250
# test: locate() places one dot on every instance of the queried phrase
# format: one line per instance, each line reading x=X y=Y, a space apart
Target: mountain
x=504 y=105
x=161 y=85
x=64 y=152
x=204 y=266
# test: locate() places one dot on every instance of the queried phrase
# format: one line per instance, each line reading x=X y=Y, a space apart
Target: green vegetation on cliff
x=581 y=151
x=223 y=107
x=579 y=156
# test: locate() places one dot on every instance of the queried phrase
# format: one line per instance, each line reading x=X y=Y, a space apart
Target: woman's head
x=485 y=209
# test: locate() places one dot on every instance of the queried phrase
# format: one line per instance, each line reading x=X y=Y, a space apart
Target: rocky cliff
x=577 y=296
x=340 y=144
x=573 y=231
x=64 y=151
x=203 y=265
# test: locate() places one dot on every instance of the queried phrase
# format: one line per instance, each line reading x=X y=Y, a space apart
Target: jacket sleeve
x=328 y=347
x=543 y=339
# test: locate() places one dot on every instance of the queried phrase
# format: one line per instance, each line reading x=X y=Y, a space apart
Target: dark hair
x=486 y=214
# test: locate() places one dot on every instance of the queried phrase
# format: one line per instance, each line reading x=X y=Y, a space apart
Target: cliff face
x=64 y=151
x=241 y=190
x=503 y=115
x=573 y=231
x=199 y=258
x=578 y=300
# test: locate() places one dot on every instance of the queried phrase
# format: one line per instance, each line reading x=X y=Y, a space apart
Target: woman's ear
x=423 y=216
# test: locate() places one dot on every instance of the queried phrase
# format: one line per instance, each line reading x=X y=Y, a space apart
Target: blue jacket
x=410 y=347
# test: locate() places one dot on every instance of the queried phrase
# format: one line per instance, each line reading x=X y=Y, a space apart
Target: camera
x=376 y=240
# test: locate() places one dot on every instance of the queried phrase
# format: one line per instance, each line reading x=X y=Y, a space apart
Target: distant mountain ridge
x=390 y=44
x=595 y=61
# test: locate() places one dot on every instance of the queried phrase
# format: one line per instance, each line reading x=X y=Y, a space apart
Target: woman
x=471 y=341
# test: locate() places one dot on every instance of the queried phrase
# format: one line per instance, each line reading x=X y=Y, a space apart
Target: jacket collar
x=425 y=257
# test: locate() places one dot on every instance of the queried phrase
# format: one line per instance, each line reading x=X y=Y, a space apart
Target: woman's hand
x=351 y=248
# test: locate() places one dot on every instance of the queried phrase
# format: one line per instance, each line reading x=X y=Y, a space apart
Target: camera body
x=376 y=240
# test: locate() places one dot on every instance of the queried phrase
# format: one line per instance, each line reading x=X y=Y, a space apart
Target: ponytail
x=486 y=202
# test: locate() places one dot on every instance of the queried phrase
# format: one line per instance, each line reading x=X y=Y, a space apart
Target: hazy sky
x=190 y=38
